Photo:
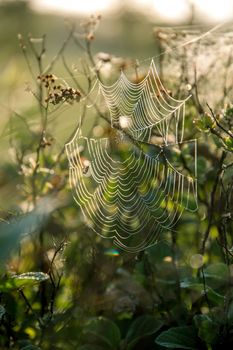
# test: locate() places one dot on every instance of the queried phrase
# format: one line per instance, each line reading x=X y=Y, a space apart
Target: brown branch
x=60 y=52
x=212 y=203
x=200 y=108
x=30 y=307
x=217 y=123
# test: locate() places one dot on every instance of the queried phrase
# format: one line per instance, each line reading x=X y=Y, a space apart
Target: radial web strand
x=131 y=188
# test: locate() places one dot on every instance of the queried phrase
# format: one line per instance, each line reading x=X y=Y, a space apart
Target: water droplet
x=125 y=122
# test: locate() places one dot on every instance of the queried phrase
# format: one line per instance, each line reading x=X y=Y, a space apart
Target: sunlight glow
x=216 y=10
x=176 y=10
x=143 y=3
x=169 y=10
x=172 y=9
x=85 y=7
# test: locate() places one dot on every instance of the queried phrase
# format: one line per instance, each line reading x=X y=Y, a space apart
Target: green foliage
x=228 y=141
x=142 y=327
x=103 y=332
x=179 y=338
x=208 y=330
x=205 y=123
x=62 y=286
x=23 y=280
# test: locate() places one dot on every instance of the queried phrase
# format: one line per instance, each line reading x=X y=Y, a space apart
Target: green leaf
x=12 y=232
x=103 y=331
x=205 y=122
x=29 y=278
x=213 y=296
x=179 y=338
x=208 y=330
x=143 y=326
x=32 y=276
x=230 y=313
x=7 y=284
x=229 y=143
x=23 y=280
x=217 y=272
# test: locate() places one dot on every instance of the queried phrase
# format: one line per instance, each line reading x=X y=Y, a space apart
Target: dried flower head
x=57 y=93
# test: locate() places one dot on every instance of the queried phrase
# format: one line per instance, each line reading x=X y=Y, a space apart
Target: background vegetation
x=61 y=286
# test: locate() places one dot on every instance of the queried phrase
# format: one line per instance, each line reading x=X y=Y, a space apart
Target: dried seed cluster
x=58 y=93
x=47 y=79
x=46 y=141
x=90 y=27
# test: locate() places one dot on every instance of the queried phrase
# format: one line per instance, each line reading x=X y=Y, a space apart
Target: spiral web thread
x=133 y=194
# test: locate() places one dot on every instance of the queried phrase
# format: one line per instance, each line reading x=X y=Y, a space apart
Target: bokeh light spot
x=196 y=261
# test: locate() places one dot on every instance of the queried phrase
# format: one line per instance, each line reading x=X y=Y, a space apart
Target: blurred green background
x=61 y=285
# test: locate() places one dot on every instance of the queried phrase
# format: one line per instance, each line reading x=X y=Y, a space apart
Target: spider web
x=130 y=187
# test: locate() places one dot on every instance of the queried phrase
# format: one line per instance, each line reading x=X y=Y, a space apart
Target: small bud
x=90 y=37
x=228 y=141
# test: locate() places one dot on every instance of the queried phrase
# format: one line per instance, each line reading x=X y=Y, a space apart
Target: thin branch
x=60 y=52
x=217 y=123
x=212 y=203
x=30 y=307
x=200 y=108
